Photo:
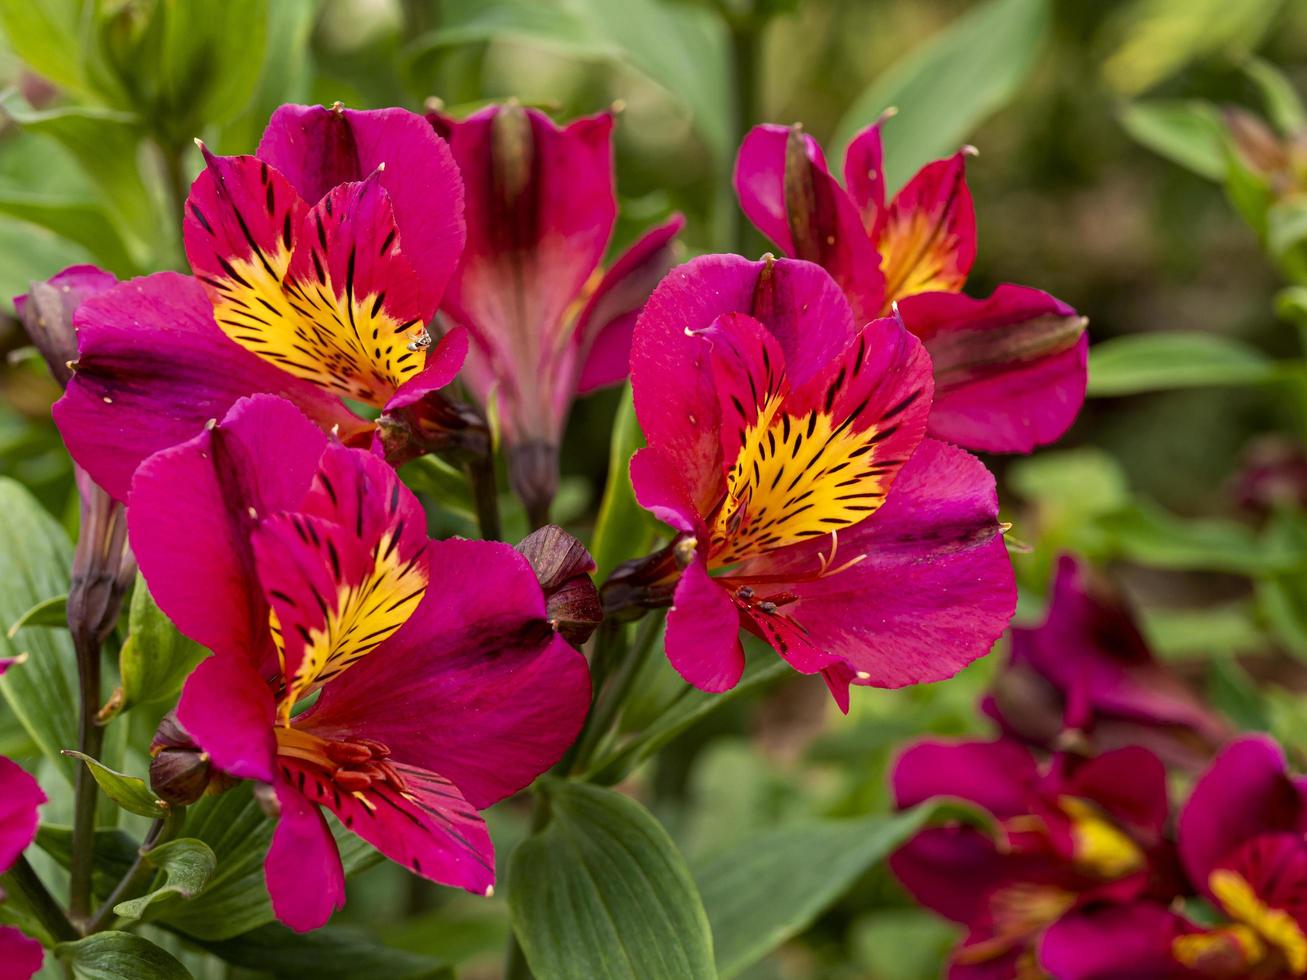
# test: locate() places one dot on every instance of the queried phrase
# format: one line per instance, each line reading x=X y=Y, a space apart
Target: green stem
x=141 y=872
x=90 y=741
x=22 y=880
x=174 y=182
x=613 y=698
x=485 y=495
x=744 y=76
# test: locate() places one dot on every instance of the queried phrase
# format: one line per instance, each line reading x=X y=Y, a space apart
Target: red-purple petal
x=194 y=506
x=1246 y=792
x=1010 y=370
x=20 y=957
x=806 y=213
x=864 y=175
x=934 y=589
x=475 y=686
x=1124 y=942
x=154 y=368
x=318 y=148
x=604 y=329
x=428 y=828
x=671 y=377
x=20 y=796
x=999 y=776
x=306 y=881
x=226 y=706
x=927 y=235
x=703 y=632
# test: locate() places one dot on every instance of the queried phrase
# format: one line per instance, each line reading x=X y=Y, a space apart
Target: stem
x=609 y=646
x=22 y=880
x=90 y=741
x=611 y=700
x=744 y=78
x=141 y=872
x=174 y=181
x=481 y=480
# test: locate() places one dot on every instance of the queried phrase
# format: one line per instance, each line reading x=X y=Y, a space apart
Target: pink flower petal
x=703 y=632
x=318 y=148
x=20 y=797
x=194 y=506
x=303 y=871
x=154 y=368
x=1010 y=370
x=20 y=957
x=999 y=776
x=226 y=706
x=476 y=685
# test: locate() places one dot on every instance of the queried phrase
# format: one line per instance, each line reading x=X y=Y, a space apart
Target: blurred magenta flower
x=305 y=566
x=786 y=446
x=547 y=324
x=1087 y=675
x=1072 y=836
x=318 y=263
x=20 y=797
x=1010 y=370
x=1243 y=841
x=1243 y=846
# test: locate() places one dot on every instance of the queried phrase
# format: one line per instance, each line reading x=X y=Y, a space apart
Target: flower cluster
x=1077 y=868
x=359 y=276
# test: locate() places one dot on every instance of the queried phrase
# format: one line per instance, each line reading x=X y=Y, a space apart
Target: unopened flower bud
x=180 y=772
x=563 y=567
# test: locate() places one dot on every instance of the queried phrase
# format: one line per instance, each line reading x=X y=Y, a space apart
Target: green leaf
x=235 y=900
x=46 y=35
x=1185 y=131
x=115 y=852
x=769 y=887
x=1233 y=692
x=156 y=658
x=53 y=612
x=83 y=223
x=119 y=956
x=334 y=953
x=1286 y=236
x=210 y=61
x=129 y=792
x=445 y=483
x=187 y=865
x=107 y=146
x=946 y=87
x=1149 y=535
x=689 y=708
x=1283 y=104
x=1167 y=361
x=1159 y=37
x=681 y=47
x=623 y=529
x=1079 y=482
x=603 y=892
x=42 y=691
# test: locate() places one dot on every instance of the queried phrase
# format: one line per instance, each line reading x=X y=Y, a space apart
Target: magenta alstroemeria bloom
x=1010 y=370
x=787 y=447
x=1072 y=835
x=546 y=323
x=1087 y=673
x=1243 y=842
x=318 y=263
x=305 y=566
x=20 y=797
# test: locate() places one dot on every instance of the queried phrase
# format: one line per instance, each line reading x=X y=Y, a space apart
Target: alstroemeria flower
x=786 y=446
x=20 y=797
x=1243 y=841
x=1010 y=370
x=1076 y=834
x=546 y=323
x=318 y=263
x=305 y=566
x=1087 y=673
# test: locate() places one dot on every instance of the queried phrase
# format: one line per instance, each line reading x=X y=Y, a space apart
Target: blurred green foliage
x=1104 y=132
